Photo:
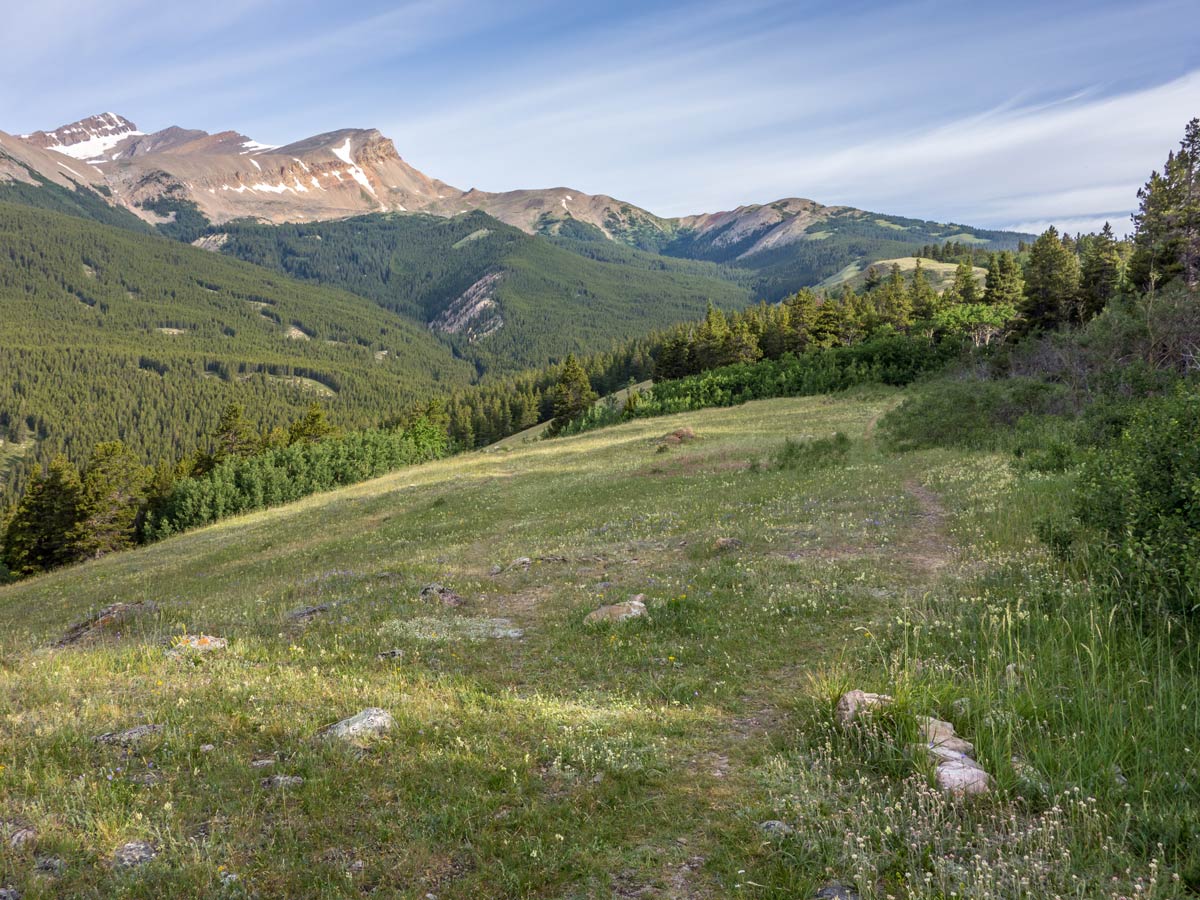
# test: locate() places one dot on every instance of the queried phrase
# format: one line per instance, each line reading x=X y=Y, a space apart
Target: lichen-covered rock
x=441 y=594
x=853 y=704
x=133 y=854
x=776 y=828
x=196 y=643
x=129 y=736
x=365 y=725
x=618 y=612
x=276 y=782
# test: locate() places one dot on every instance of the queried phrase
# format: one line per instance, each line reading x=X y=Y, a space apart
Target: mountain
x=88 y=139
x=108 y=334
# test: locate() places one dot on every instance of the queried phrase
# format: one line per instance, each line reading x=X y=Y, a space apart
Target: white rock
x=852 y=704
x=364 y=725
x=135 y=853
x=962 y=778
x=618 y=612
x=941 y=734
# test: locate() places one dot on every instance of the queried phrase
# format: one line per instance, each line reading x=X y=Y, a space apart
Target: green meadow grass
x=633 y=760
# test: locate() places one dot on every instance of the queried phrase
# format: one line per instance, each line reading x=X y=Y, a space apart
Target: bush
x=814 y=454
x=975 y=414
x=1137 y=505
x=244 y=484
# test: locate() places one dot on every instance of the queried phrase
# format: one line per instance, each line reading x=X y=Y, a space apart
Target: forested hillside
x=108 y=334
x=506 y=299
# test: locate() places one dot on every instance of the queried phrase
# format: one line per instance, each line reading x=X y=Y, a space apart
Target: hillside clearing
x=530 y=755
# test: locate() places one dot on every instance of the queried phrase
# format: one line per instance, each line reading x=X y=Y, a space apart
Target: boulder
x=853 y=704
x=365 y=725
x=941 y=735
x=776 y=828
x=618 y=612
x=22 y=837
x=133 y=854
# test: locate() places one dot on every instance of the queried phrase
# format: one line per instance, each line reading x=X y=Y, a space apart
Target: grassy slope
x=576 y=762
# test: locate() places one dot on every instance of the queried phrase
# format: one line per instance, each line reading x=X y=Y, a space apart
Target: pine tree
x=235 y=435
x=1051 y=283
x=1004 y=286
x=313 y=427
x=40 y=534
x=711 y=341
x=802 y=312
x=1100 y=274
x=964 y=288
x=113 y=496
x=741 y=345
x=573 y=394
x=892 y=300
x=925 y=300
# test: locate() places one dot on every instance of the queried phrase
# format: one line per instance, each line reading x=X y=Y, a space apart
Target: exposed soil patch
x=929 y=548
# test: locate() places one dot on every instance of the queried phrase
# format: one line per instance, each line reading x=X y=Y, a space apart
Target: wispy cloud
x=998 y=116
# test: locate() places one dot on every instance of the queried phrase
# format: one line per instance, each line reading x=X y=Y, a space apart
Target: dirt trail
x=929 y=547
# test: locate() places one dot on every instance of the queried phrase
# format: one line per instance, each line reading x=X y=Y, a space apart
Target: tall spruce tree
x=112 y=497
x=40 y=535
x=1051 y=283
x=1004 y=285
x=925 y=300
x=964 y=288
x=573 y=394
x=1100 y=274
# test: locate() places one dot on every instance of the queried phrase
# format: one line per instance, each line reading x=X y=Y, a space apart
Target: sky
x=1014 y=115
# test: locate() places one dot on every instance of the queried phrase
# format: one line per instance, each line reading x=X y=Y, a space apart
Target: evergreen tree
x=712 y=340
x=573 y=394
x=893 y=302
x=40 y=534
x=964 y=288
x=234 y=435
x=313 y=427
x=925 y=300
x=112 y=498
x=741 y=345
x=1051 y=282
x=1004 y=286
x=1100 y=274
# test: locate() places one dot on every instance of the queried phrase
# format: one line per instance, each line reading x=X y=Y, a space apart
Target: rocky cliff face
x=89 y=139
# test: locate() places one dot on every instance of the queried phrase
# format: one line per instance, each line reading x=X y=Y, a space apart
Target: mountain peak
x=88 y=139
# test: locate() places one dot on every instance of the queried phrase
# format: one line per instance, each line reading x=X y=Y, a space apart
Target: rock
x=495 y=570
x=552 y=559
x=276 y=782
x=133 y=854
x=9 y=893
x=962 y=777
x=129 y=736
x=146 y=779
x=207 y=748
x=196 y=643
x=1119 y=776
x=307 y=613
x=836 y=892
x=727 y=543
x=22 y=837
x=523 y=562
x=941 y=735
x=442 y=594
x=50 y=865
x=776 y=828
x=262 y=763
x=854 y=703
x=676 y=437
x=365 y=725
x=618 y=612
x=109 y=617
x=390 y=654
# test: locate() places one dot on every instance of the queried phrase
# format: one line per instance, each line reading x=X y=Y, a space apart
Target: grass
x=622 y=761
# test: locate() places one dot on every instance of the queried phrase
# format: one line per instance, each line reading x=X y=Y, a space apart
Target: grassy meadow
x=534 y=755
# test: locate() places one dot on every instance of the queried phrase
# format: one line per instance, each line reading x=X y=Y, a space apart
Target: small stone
x=852 y=704
x=836 y=892
x=618 y=612
x=441 y=594
x=282 y=781
x=962 y=777
x=230 y=878
x=9 y=893
x=50 y=865
x=1119 y=776
x=196 y=643
x=129 y=736
x=133 y=854
x=307 y=613
x=727 y=543
x=776 y=828
x=146 y=779
x=495 y=570
x=522 y=562
x=22 y=837
x=365 y=725
x=207 y=748
x=390 y=654
x=262 y=763
x=941 y=735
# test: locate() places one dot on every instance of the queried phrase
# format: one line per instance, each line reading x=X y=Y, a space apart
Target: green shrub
x=974 y=414
x=813 y=454
x=1138 y=505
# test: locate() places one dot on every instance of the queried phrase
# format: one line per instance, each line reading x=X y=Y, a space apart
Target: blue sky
x=1004 y=115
